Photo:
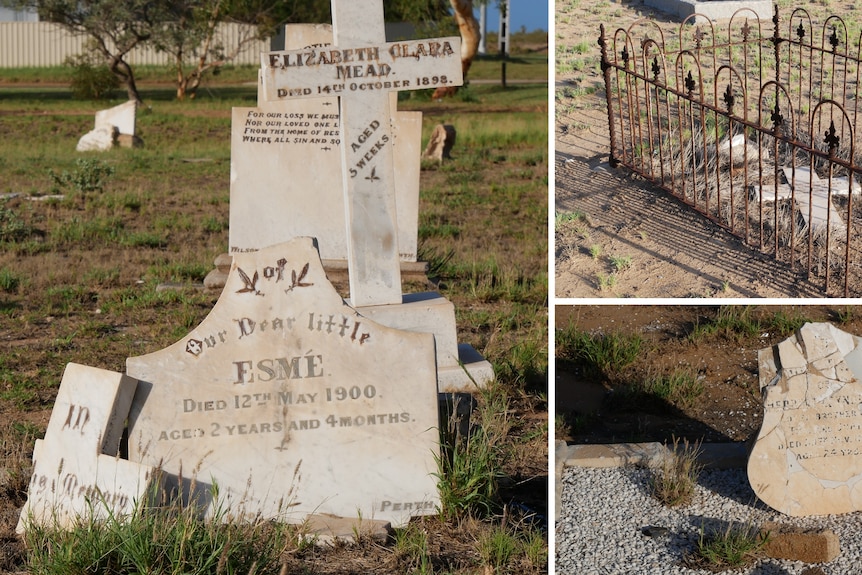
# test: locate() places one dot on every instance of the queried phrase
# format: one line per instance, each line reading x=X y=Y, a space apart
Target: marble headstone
x=291 y=401
x=807 y=459
x=76 y=472
x=286 y=179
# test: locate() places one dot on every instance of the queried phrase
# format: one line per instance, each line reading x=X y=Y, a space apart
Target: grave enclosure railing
x=755 y=129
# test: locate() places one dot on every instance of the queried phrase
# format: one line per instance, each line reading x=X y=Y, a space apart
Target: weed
x=172 y=539
x=844 y=315
x=786 y=323
x=681 y=387
x=214 y=225
x=674 y=480
x=565 y=217
x=497 y=548
x=90 y=176
x=12 y=227
x=606 y=282
x=468 y=467
x=9 y=281
x=733 y=322
x=739 y=544
x=411 y=547
x=144 y=240
x=621 y=263
x=595 y=251
x=601 y=354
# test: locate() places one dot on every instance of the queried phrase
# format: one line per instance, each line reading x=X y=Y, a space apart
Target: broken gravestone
x=807 y=459
x=440 y=143
x=114 y=126
x=291 y=402
x=76 y=472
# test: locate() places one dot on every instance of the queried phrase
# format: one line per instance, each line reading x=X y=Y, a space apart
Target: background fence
x=26 y=44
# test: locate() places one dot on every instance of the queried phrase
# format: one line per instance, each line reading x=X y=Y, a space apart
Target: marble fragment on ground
x=807 y=459
x=292 y=402
x=114 y=126
x=76 y=472
x=812 y=197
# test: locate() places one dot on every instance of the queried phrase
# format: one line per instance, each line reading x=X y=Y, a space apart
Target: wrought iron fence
x=755 y=130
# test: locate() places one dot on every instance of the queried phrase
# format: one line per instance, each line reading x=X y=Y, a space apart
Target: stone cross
x=362 y=69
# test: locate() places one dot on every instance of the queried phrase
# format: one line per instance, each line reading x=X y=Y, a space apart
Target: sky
x=532 y=14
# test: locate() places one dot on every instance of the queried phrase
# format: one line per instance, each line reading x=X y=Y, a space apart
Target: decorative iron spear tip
x=831 y=138
x=800 y=31
x=689 y=83
x=698 y=36
x=777 y=118
x=833 y=39
x=602 y=36
x=625 y=55
x=728 y=99
x=746 y=30
x=656 y=69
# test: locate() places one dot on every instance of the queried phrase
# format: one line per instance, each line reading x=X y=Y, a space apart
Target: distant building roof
x=10 y=15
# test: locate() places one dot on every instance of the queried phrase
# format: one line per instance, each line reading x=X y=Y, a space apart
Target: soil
x=602 y=410
x=672 y=251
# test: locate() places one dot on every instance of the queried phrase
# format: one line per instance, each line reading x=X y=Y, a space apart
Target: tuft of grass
x=170 y=539
x=733 y=322
x=606 y=282
x=621 y=263
x=411 y=548
x=497 y=547
x=595 y=251
x=739 y=544
x=680 y=387
x=673 y=481
x=470 y=461
x=9 y=280
x=598 y=354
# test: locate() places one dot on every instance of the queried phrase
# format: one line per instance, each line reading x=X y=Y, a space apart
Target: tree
x=468 y=26
x=115 y=28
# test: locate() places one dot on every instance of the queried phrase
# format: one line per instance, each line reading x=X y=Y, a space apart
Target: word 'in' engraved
x=81 y=417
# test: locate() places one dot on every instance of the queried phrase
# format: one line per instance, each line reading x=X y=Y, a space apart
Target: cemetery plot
x=719 y=132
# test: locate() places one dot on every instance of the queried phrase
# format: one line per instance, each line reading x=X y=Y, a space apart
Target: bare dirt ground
x=662 y=248
x=604 y=409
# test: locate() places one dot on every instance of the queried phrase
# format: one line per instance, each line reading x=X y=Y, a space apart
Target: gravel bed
x=603 y=512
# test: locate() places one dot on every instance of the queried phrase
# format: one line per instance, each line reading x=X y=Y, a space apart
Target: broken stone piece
x=98 y=140
x=807 y=459
x=796 y=544
x=440 y=144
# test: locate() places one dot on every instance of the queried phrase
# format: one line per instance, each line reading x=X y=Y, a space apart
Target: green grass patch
x=597 y=354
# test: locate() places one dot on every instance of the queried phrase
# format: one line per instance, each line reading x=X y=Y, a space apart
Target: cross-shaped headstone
x=362 y=69
x=812 y=196
x=76 y=471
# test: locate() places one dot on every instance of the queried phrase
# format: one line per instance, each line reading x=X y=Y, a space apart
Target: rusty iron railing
x=756 y=131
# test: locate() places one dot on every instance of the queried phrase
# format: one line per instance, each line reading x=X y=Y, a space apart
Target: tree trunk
x=468 y=26
x=124 y=72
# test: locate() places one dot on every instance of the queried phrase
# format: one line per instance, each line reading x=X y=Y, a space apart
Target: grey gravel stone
x=603 y=511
